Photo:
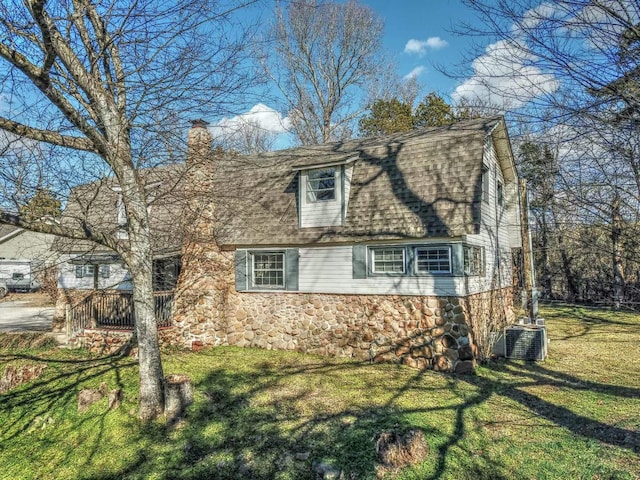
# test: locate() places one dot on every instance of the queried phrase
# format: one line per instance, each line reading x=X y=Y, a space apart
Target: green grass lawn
x=257 y=413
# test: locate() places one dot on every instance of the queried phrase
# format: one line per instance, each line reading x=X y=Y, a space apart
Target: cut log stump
x=178 y=396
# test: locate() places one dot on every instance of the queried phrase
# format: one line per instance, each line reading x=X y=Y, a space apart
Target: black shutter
x=291 y=266
x=241 y=270
x=359 y=261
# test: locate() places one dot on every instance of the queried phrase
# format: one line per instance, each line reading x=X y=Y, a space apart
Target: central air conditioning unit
x=525 y=342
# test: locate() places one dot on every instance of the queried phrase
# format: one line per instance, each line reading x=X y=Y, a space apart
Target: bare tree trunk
x=545 y=279
x=616 y=250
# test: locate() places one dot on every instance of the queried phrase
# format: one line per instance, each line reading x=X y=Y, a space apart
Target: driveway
x=19 y=316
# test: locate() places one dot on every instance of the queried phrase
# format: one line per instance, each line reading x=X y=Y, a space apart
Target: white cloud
x=533 y=17
x=416 y=72
x=504 y=77
x=420 y=47
x=259 y=116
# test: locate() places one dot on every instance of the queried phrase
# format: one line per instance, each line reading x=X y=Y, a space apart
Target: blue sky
x=421 y=21
x=419 y=36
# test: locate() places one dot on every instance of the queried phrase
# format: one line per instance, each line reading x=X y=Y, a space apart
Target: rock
x=327 y=471
x=437 y=332
x=89 y=396
x=302 y=456
x=441 y=364
x=457 y=309
x=115 y=398
x=177 y=397
x=465 y=352
x=465 y=367
x=410 y=362
x=385 y=357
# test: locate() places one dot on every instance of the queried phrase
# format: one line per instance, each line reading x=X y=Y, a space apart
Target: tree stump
x=177 y=397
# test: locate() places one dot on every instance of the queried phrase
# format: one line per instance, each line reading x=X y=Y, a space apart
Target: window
x=473 y=260
x=268 y=269
x=84 y=271
x=321 y=185
x=17 y=276
x=500 y=193
x=387 y=260
x=485 y=184
x=433 y=259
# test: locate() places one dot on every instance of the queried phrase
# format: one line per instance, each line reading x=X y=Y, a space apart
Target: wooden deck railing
x=115 y=310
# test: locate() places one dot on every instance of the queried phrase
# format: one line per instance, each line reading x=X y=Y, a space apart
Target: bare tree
x=326 y=56
x=569 y=70
x=113 y=81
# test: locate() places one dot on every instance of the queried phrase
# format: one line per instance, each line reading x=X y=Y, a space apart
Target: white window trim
x=372 y=260
x=467 y=271
x=430 y=272
x=308 y=190
x=251 y=258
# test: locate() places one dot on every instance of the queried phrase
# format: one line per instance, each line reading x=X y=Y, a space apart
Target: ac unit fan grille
x=526 y=343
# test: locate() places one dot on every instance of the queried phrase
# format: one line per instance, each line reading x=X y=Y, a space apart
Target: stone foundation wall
x=422 y=332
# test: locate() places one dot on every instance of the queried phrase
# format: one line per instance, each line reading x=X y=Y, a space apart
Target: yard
x=265 y=414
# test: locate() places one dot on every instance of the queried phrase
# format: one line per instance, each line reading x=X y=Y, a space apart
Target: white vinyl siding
x=330 y=270
x=317 y=208
x=495 y=228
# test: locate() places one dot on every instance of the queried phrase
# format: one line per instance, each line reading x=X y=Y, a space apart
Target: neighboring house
x=390 y=248
x=17 y=243
x=25 y=257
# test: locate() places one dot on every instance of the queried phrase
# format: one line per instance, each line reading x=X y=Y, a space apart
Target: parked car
x=17 y=276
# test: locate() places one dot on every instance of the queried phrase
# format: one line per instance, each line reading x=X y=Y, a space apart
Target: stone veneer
x=421 y=332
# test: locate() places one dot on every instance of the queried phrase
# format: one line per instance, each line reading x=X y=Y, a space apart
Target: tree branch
x=48 y=136
x=86 y=232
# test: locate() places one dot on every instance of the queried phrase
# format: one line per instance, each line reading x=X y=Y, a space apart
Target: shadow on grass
x=255 y=425
x=54 y=393
x=266 y=422
x=531 y=375
x=591 y=319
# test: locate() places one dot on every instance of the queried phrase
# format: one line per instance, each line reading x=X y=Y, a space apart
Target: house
x=391 y=248
x=91 y=275
x=25 y=257
x=17 y=243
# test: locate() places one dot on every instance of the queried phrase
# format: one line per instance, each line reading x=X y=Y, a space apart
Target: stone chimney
x=199 y=143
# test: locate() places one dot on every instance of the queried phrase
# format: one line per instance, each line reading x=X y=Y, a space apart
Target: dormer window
x=323 y=192
x=321 y=185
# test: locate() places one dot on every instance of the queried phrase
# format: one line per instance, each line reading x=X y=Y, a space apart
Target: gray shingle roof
x=423 y=183
x=96 y=204
x=7 y=230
